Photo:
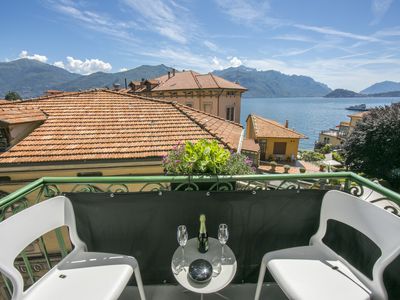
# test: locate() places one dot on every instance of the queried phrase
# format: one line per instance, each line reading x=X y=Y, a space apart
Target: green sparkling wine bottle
x=203 y=236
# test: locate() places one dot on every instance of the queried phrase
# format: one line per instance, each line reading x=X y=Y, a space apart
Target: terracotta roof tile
x=250 y=145
x=359 y=114
x=109 y=125
x=269 y=128
x=194 y=80
x=17 y=115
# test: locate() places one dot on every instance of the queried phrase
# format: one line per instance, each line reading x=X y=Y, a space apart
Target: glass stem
x=222 y=255
x=183 y=254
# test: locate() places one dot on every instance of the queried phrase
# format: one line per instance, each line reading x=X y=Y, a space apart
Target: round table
x=217 y=283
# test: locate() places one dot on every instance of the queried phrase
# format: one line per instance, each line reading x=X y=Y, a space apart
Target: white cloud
x=379 y=9
x=167 y=18
x=334 y=32
x=41 y=58
x=235 y=62
x=244 y=10
x=116 y=29
x=181 y=59
x=85 y=67
x=219 y=64
x=211 y=46
x=123 y=70
x=59 y=64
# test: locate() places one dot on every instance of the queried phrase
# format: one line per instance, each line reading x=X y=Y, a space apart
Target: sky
x=343 y=43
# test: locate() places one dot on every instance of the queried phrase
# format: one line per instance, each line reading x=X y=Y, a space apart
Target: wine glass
x=182 y=237
x=223 y=236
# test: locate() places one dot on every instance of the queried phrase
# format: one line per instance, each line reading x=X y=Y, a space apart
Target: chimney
x=169 y=74
x=116 y=86
x=173 y=72
x=287 y=123
x=126 y=84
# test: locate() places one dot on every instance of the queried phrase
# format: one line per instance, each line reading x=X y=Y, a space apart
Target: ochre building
x=205 y=92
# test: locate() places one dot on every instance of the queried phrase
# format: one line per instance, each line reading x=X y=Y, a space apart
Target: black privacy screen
x=144 y=225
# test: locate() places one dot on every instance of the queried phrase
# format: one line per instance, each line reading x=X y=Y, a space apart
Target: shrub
x=373 y=146
x=302 y=170
x=325 y=149
x=238 y=164
x=338 y=157
x=12 y=96
x=205 y=157
x=311 y=156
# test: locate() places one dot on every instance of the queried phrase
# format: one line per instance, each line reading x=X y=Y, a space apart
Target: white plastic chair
x=80 y=275
x=317 y=272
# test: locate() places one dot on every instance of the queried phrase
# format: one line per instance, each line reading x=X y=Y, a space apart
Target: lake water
x=307 y=115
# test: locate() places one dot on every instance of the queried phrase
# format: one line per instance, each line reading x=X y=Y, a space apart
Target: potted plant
x=322 y=167
x=302 y=170
x=286 y=168
x=273 y=166
x=205 y=157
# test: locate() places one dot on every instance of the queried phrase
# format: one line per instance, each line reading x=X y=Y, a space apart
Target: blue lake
x=308 y=115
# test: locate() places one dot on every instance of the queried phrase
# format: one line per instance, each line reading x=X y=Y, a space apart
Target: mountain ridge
x=382 y=87
x=273 y=83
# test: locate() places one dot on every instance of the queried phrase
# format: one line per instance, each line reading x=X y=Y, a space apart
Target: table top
x=228 y=269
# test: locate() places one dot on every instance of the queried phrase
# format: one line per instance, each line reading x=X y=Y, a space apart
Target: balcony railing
x=44 y=253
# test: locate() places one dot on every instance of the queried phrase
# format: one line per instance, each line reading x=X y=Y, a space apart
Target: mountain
x=30 y=77
x=272 y=83
x=382 y=87
x=101 y=79
x=342 y=93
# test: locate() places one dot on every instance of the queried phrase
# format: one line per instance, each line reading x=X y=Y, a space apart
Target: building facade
x=206 y=92
x=276 y=141
x=336 y=137
x=103 y=133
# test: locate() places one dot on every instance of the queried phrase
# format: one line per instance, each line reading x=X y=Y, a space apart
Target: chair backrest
x=379 y=225
x=21 y=229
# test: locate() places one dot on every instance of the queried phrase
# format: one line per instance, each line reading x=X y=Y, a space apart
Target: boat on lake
x=358 y=107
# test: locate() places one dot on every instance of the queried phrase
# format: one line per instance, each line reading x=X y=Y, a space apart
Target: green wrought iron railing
x=43 y=253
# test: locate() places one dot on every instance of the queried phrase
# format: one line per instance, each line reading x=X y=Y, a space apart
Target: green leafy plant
x=338 y=157
x=205 y=157
x=325 y=149
x=12 y=96
x=373 y=146
x=311 y=156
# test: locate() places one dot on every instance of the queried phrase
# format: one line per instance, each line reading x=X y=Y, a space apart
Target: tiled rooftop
x=194 y=80
x=250 y=145
x=108 y=125
x=18 y=115
x=269 y=128
x=359 y=114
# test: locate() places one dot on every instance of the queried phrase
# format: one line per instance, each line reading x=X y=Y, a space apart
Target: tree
x=12 y=96
x=373 y=147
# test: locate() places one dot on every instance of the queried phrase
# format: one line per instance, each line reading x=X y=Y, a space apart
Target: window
x=230 y=113
x=3 y=139
x=207 y=107
x=279 y=148
x=190 y=104
x=230 y=93
x=89 y=174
